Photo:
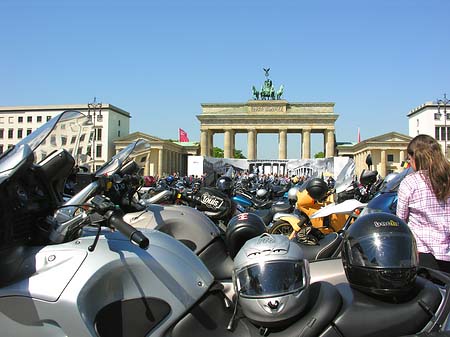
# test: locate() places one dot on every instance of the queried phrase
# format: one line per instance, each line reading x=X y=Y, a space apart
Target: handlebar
x=116 y=221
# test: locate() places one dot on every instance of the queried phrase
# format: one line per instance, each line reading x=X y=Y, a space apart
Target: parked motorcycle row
x=233 y=259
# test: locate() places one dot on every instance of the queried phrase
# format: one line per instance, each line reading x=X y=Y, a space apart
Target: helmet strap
x=231 y=323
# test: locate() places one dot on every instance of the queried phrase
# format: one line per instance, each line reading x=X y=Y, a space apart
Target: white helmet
x=271 y=279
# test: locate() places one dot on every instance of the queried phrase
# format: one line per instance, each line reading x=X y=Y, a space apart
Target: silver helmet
x=261 y=193
x=292 y=194
x=271 y=279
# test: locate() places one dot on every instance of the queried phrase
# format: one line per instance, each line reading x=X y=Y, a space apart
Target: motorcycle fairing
x=116 y=270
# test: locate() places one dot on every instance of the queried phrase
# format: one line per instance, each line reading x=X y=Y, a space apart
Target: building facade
x=387 y=152
x=110 y=123
x=427 y=119
x=163 y=157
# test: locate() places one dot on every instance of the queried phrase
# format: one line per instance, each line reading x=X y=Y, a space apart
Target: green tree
x=218 y=153
x=319 y=155
x=238 y=154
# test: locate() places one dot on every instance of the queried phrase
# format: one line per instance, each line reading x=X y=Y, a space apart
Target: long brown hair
x=427 y=155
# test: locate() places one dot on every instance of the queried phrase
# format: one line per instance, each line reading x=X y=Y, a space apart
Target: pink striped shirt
x=428 y=218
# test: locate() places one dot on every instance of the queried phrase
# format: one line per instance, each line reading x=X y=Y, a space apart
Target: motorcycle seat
x=263 y=203
x=328 y=246
x=209 y=317
x=364 y=315
x=281 y=207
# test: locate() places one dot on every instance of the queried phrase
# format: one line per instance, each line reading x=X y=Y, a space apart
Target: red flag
x=182 y=135
x=359 y=136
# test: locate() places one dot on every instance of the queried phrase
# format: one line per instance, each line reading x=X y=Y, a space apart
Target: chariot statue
x=267 y=89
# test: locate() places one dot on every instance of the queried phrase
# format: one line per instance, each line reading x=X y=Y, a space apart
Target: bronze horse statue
x=255 y=93
x=280 y=92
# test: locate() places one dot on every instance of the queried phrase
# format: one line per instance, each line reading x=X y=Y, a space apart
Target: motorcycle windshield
x=345 y=177
x=392 y=186
x=51 y=136
x=117 y=161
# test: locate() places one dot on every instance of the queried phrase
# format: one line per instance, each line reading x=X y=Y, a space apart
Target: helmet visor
x=272 y=278
x=384 y=250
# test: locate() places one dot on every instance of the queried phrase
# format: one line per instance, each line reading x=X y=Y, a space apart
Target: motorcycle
x=76 y=268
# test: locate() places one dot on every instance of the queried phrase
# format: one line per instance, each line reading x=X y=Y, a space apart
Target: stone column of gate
x=210 y=143
x=282 y=144
x=204 y=143
x=227 y=144
x=233 y=142
x=306 y=143
x=329 y=150
x=383 y=165
x=251 y=144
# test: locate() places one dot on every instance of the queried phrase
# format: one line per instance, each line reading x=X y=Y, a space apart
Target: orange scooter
x=314 y=195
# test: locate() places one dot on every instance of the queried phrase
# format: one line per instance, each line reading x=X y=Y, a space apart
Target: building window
x=20 y=119
x=99 y=134
x=10 y=133
x=11 y=120
x=436 y=133
x=83 y=136
x=98 y=151
x=29 y=131
x=1 y=149
x=417 y=122
x=1 y=133
x=63 y=140
x=442 y=134
x=29 y=119
x=118 y=133
x=437 y=116
x=118 y=122
x=39 y=119
x=390 y=158
x=48 y=118
x=2 y=120
x=10 y=146
x=53 y=140
x=19 y=133
x=72 y=141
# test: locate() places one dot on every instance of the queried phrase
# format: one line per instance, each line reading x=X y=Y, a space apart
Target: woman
x=424 y=201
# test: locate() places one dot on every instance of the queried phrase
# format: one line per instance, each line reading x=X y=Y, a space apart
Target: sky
x=160 y=60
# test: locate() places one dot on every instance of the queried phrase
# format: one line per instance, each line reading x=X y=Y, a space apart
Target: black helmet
x=225 y=184
x=317 y=188
x=379 y=255
x=241 y=228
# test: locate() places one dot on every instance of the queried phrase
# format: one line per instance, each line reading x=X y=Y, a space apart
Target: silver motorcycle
x=76 y=268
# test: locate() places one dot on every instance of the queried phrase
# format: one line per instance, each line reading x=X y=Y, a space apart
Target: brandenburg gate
x=267 y=116
x=267 y=113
